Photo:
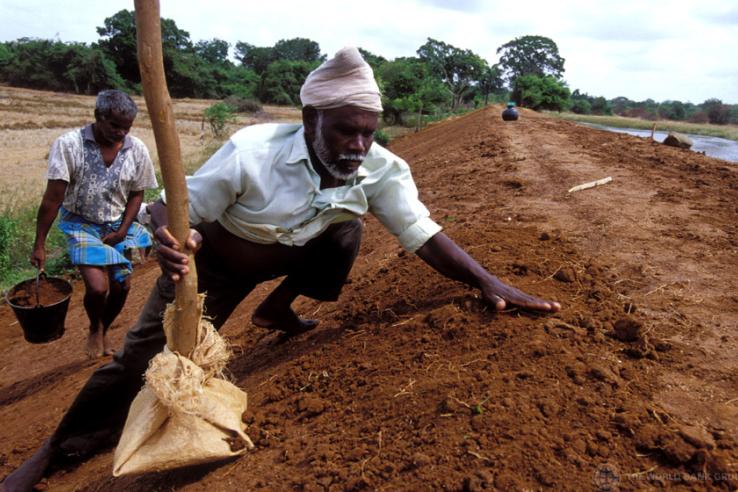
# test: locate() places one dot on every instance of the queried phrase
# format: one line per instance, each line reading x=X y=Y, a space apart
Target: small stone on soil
x=565 y=274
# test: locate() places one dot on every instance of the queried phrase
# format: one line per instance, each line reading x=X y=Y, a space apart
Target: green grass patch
x=723 y=131
x=17 y=233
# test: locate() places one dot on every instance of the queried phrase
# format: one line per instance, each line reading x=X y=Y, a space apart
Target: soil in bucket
x=42 y=318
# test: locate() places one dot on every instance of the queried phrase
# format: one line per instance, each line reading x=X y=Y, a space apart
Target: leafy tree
x=258 y=58
x=6 y=55
x=600 y=106
x=282 y=80
x=717 y=112
x=281 y=69
x=459 y=69
x=431 y=95
x=213 y=51
x=254 y=57
x=297 y=49
x=490 y=81
x=619 y=104
x=541 y=92
x=54 y=65
x=581 y=106
x=188 y=75
x=119 y=42
x=733 y=114
x=238 y=81
x=408 y=86
x=90 y=72
x=530 y=55
x=401 y=77
x=672 y=110
x=374 y=61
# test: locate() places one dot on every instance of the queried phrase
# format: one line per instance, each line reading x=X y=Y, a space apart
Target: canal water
x=720 y=148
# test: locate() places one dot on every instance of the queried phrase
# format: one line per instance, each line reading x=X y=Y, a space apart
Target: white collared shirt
x=262 y=187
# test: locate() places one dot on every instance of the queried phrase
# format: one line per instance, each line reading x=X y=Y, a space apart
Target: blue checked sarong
x=86 y=247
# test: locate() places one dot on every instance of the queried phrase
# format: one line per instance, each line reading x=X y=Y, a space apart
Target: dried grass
x=31 y=120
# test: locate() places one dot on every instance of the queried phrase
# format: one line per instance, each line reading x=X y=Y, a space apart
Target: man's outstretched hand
x=441 y=253
x=172 y=260
x=499 y=294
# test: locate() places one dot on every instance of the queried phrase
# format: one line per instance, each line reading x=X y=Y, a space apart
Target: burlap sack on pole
x=186 y=413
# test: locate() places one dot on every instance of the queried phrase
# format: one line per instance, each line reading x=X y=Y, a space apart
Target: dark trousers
x=317 y=270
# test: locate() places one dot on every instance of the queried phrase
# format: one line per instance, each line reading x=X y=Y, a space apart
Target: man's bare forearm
x=50 y=204
x=135 y=199
x=448 y=259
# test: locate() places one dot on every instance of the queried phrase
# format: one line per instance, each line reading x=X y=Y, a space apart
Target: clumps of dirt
x=565 y=274
x=627 y=330
x=677 y=445
x=639 y=343
x=310 y=405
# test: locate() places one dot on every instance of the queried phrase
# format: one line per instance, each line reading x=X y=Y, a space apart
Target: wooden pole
x=151 y=63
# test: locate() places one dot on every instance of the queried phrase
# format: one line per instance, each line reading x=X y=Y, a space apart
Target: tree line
x=710 y=111
x=440 y=78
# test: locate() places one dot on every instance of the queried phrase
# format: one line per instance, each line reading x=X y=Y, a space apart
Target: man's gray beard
x=321 y=150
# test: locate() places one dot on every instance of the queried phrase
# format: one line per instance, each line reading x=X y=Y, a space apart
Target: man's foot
x=95 y=347
x=108 y=348
x=284 y=320
x=30 y=472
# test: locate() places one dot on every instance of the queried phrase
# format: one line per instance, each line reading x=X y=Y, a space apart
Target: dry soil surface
x=412 y=383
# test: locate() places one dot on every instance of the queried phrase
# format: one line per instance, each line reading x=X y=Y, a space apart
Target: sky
x=683 y=50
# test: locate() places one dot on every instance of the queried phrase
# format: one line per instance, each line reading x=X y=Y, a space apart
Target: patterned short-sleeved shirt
x=97 y=192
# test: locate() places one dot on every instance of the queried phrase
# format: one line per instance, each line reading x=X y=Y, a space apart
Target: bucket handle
x=38 y=282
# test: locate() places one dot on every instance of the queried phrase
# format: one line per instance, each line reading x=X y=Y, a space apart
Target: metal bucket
x=40 y=323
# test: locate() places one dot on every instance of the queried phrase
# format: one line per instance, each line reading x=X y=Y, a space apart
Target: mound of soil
x=49 y=291
x=412 y=383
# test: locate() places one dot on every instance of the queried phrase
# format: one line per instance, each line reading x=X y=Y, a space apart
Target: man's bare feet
x=108 y=348
x=29 y=473
x=284 y=320
x=95 y=347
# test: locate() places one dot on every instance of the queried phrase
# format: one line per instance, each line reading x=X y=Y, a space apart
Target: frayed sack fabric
x=186 y=413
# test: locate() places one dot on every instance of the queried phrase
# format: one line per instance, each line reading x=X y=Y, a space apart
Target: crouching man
x=275 y=200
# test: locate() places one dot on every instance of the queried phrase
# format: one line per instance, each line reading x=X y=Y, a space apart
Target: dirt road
x=411 y=383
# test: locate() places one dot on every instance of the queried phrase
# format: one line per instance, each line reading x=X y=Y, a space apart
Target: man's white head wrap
x=344 y=80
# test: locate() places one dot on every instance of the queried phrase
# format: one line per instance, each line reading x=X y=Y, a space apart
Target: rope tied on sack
x=177 y=381
x=187 y=412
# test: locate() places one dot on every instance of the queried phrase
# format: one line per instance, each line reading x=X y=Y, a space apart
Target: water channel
x=720 y=148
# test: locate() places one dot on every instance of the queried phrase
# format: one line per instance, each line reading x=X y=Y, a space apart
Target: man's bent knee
x=96 y=293
x=121 y=287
